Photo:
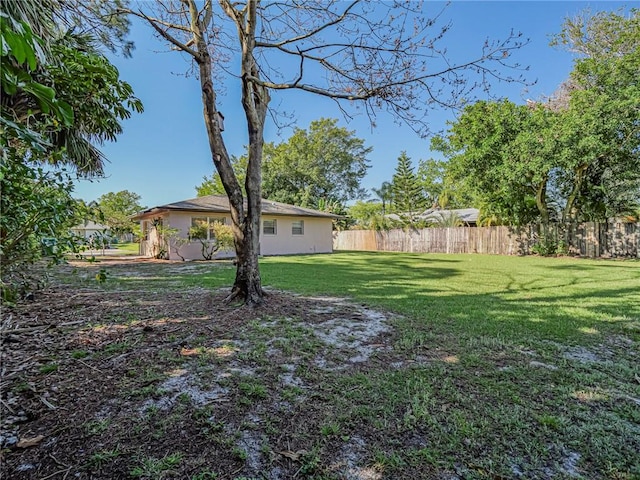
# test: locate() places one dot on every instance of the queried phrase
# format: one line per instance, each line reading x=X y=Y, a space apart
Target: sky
x=163 y=152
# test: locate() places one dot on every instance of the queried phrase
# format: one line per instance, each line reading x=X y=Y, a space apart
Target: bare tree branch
x=376 y=55
x=155 y=24
x=312 y=32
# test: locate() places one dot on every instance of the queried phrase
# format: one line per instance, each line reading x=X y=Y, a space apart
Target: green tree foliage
x=96 y=17
x=213 y=238
x=448 y=220
x=431 y=177
x=315 y=168
x=369 y=216
x=20 y=57
x=71 y=95
x=210 y=186
x=324 y=162
x=574 y=157
x=117 y=208
x=501 y=154
x=385 y=194
x=602 y=173
x=602 y=35
x=343 y=222
x=60 y=96
x=90 y=84
x=408 y=197
x=37 y=212
x=213 y=185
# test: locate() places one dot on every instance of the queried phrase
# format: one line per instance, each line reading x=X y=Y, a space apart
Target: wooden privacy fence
x=585 y=239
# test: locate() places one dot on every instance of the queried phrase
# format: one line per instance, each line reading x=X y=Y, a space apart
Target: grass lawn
x=129 y=248
x=436 y=367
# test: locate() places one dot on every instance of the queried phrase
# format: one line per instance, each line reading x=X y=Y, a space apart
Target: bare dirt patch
x=146 y=376
x=110 y=384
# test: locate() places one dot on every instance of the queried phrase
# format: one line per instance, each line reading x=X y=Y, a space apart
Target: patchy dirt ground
x=101 y=383
x=146 y=377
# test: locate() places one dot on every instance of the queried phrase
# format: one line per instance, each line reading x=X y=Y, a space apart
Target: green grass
x=102 y=457
x=487 y=403
x=48 y=368
x=478 y=296
x=509 y=367
x=129 y=248
x=156 y=468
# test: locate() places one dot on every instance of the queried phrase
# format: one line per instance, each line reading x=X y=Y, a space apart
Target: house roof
x=220 y=204
x=467 y=215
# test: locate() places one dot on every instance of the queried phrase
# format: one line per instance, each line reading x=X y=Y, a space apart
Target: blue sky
x=163 y=153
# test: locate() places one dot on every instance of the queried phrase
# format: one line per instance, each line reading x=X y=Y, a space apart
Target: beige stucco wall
x=317 y=237
x=193 y=251
x=149 y=246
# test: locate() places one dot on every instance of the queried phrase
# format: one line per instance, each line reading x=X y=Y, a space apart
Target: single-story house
x=468 y=216
x=90 y=229
x=284 y=230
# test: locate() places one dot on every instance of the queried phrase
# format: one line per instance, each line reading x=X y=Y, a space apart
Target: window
x=269 y=227
x=297 y=227
x=202 y=227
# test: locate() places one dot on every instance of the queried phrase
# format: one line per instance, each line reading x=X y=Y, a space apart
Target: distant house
x=468 y=216
x=90 y=229
x=284 y=230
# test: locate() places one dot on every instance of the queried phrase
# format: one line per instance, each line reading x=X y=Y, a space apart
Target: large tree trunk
x=255 y=102
x=248 y=285
x=541 y=202
x=568 y=212
x=245 y=219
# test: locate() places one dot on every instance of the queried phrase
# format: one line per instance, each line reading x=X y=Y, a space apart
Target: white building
x=284 y=230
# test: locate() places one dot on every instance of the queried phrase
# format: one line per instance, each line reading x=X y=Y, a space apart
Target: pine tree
x=408 y=197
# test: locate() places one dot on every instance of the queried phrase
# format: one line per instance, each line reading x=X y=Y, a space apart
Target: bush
x=221 y=238
x=38 y=212
x=545 y=247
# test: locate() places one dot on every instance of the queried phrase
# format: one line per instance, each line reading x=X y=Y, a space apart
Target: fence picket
x=587 y=239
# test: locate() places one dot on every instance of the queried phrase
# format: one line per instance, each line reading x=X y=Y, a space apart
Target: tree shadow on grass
x=440 y=294
x=597 y=264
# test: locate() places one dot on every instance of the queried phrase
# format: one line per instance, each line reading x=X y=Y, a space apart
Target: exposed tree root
x=253 y=298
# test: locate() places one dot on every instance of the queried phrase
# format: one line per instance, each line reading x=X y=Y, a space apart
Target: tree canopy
x=117 y=208
x=369 y=216
x=324 y=162
x=213 y=185
x=602 y=177
x=60 y=85
x=408 y=196
x=494 y=157
x=382 y=56
x=60 y=96
x=430 y=175
x=572 y=157
x=385 y=194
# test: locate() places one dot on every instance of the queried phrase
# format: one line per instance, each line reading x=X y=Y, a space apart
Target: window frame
x=275 y=226
x=301 y=227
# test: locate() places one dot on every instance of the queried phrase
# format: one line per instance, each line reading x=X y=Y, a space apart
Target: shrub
x=545 y=246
